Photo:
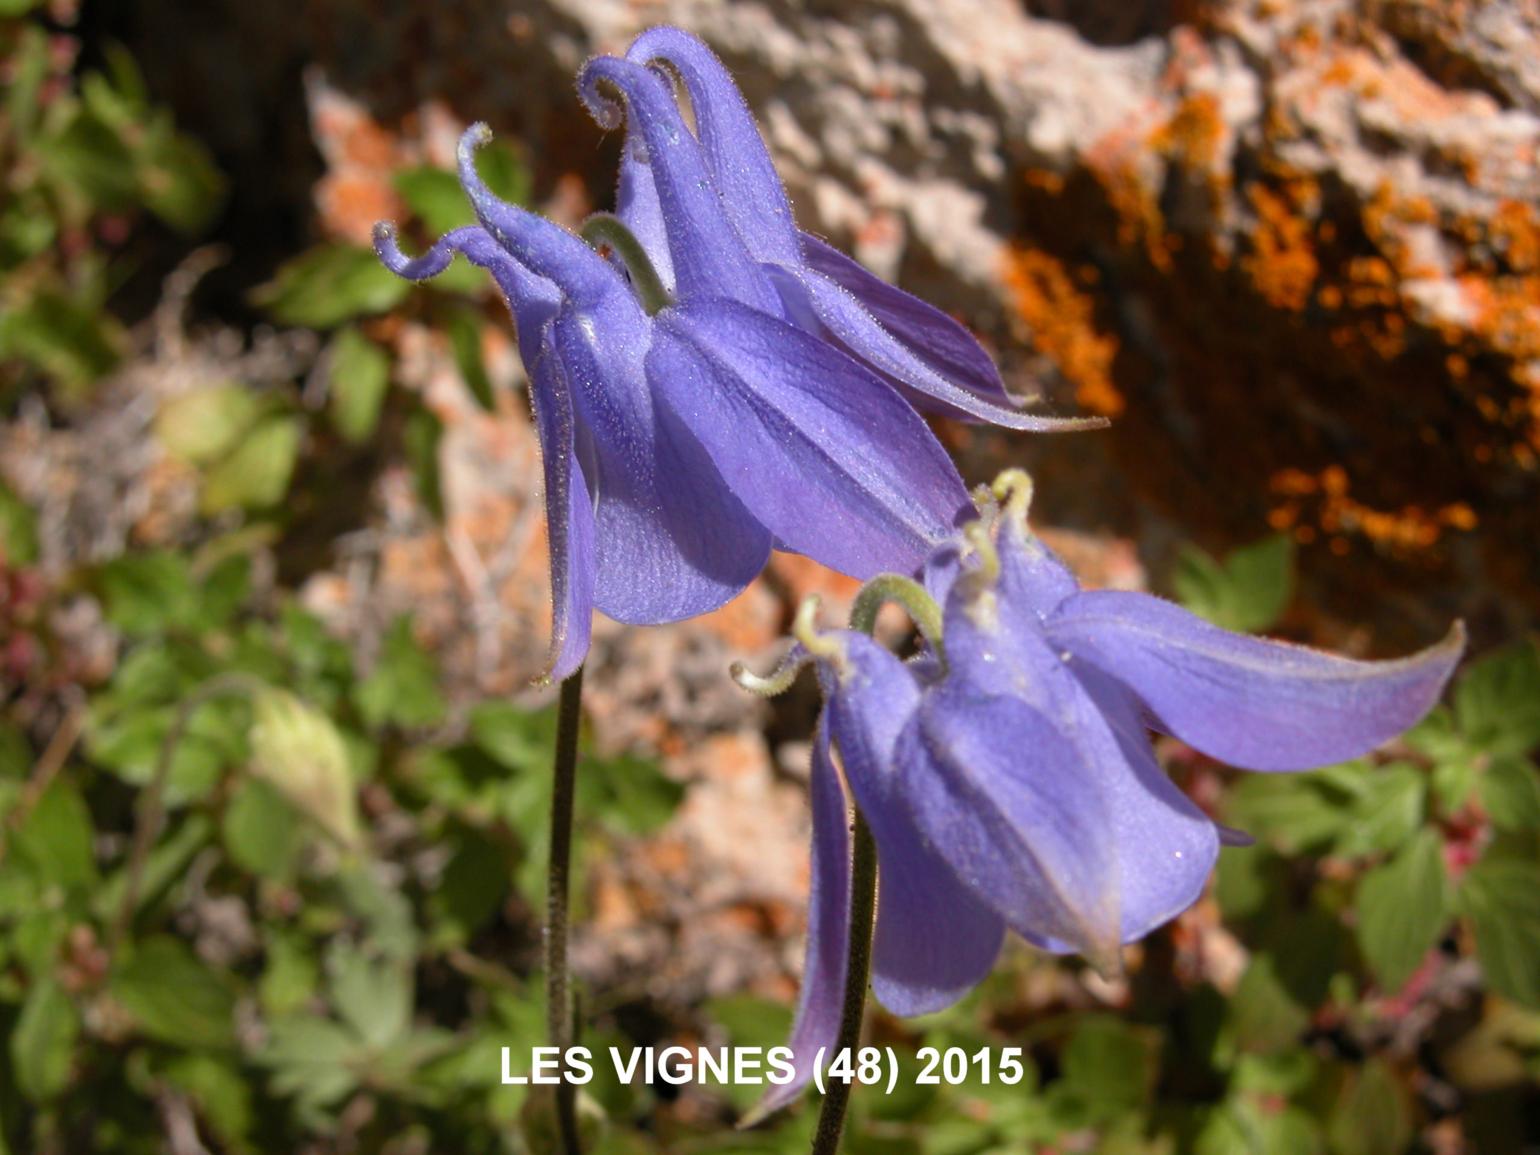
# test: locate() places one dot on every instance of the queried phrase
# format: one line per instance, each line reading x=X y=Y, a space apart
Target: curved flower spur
x=689 y=422
x=916 y=348
x=1008 y=776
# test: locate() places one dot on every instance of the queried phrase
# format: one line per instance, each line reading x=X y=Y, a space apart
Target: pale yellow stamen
x=1014 y=490
x=805 y=630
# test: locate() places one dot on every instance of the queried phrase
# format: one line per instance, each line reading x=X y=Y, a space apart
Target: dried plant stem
x=151 y=811
x=558 y=996
x=858 y=966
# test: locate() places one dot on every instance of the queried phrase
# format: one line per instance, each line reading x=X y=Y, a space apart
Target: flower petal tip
x=1107 y=961
x=599 y=95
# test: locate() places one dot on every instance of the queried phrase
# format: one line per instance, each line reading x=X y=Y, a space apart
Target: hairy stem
x=858 y=966
x=558 y=996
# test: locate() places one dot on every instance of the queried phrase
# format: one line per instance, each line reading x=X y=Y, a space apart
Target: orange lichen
x=1060 y=311
x=1282 y=264
x=1194 y=133
x=1339 y=516
x=1139 y=220
x=1044 y=180
x=1515 y=236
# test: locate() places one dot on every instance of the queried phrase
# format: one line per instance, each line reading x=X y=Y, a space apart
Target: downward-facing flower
x=686 y=425
x=926 y=355
x=1008 y=777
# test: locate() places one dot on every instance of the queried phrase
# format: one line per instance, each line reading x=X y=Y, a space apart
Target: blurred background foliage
x=264 y=888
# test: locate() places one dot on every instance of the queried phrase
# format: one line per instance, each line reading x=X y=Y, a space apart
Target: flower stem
x=558 y=996
x=858 y=966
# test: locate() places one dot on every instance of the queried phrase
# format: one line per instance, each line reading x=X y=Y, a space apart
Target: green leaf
x=503 y=170
x=301 y=753
x=129 y=743
x=18 y=530
x=1248 y=591
x=1109 y=1066
x=1264 y=1014
x=630 y=795
x=464 y=329
x=1297 y=813
x=43 y=1042
x=290 y=978
x=29 y=65
x=226 y=586
x=1387 y=812
x=1500 y=896
x=147 y=593
x=88 y=159
x=312 y=1059
x=1250 y=881
x=435 y=197
x=1510 y=793
x=1374 y=1114
x=56 y=840
x=382 y=907
x=1403 y=910
x=261 y=832
x=219 y=1090
x=1453 y=781
x=517 y=739
x=1497 y=701
x=330 y=285
x=403 y=688
x=178 y=180
x=173 y=996
x=205 y=424
x=167 y=863
x=1244 y=1125
x=421 y=438
x=360 y=376
x=256 y=475
x=373 y=997
x=70 y=339
x=473 y=885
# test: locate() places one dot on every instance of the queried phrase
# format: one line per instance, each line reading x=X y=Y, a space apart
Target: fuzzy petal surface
x=828 y=930
x=670 y=540
x=569 y=518
x=935 y=338
x=1262 y=705
x=819 y=303
x=825 y=455
x=708 y=256
x=734 y=151
x=636 y=204
x=1012 y=805
x=935 y=937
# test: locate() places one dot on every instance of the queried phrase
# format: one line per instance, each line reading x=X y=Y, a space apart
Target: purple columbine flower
x=687 y=422
x=1008 y=778
x=930 y=358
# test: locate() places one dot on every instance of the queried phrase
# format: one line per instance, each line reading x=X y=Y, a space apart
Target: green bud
x=299 y=752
